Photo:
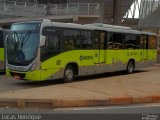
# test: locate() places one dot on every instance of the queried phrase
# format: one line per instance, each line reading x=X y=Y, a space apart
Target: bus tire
x=69 y=74
x=130 y=67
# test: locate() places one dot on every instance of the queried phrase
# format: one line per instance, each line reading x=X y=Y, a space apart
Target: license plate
x=17 y=77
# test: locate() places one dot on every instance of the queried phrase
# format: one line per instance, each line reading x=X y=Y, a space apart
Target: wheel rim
x=130 y=67
x=69 y=74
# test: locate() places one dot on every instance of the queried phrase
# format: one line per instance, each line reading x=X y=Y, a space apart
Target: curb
x=67 y=103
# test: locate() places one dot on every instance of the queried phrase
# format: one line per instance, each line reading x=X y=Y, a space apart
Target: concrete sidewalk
x=140 y=87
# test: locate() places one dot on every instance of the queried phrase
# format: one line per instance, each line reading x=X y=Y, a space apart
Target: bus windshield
x=22 y=47
x=26 y=26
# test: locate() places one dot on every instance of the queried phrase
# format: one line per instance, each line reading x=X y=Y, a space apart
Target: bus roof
x=121 y=29
x=27 y=22
x=110 y=28
x=94 y=26
x=148 y=33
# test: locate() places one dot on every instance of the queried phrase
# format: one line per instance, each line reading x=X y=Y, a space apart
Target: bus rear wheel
x=69 y=74
x=130 y=67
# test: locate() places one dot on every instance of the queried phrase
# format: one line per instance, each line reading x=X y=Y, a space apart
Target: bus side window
x=138 y=37
x=145 y=42
x=110 y=41
x=78 y=41
x=52 y=43
x=142 y=42
x=152 y=42
x=71 y=39
x=86 y=39
x=99 y=40
x=1 y=39
x=68 y=43
x=118 y=41
x=96 y=40
x=130 y=40
x=102 y=40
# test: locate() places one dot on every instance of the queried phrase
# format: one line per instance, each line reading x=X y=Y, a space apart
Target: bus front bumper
x=36 y=75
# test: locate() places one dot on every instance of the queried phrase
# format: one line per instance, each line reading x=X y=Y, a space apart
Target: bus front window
x=22 y=47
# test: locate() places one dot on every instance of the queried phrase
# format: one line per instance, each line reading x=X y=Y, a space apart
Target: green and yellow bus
x=2 y=51
x=45 y=50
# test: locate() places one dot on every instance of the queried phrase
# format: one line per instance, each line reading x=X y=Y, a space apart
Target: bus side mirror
x=42 y=40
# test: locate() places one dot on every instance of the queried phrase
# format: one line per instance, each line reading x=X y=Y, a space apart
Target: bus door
x=152 y=47
x=99 y=47
x=111 y=53
x=143 y=44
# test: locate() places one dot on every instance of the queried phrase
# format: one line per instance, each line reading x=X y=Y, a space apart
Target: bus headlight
x=34 y=66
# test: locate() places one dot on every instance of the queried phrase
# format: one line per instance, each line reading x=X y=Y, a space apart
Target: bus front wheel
x=130 y=67
x=69 y=74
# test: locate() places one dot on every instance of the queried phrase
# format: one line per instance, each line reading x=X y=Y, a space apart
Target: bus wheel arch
x=71 y=70
x=130 y=66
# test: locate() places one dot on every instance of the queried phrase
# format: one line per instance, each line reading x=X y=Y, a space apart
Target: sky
x=134 y=10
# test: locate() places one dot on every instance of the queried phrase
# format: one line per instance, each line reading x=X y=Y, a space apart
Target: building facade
x=81 y=11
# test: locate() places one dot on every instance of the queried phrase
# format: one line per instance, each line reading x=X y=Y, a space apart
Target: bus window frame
x=62 y=37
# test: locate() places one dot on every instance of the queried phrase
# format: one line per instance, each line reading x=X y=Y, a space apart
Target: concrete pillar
x=75 y=19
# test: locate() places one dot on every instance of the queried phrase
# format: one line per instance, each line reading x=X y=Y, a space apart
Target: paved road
x=10 y=84
x=132 y=109
x=127 y=109
x=134 y=112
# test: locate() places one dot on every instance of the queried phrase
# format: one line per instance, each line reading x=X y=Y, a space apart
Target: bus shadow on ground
x=106 y=75
x=77 y=79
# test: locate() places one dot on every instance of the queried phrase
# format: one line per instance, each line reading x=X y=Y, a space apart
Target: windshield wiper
x=25 y=39
x=22 y=41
